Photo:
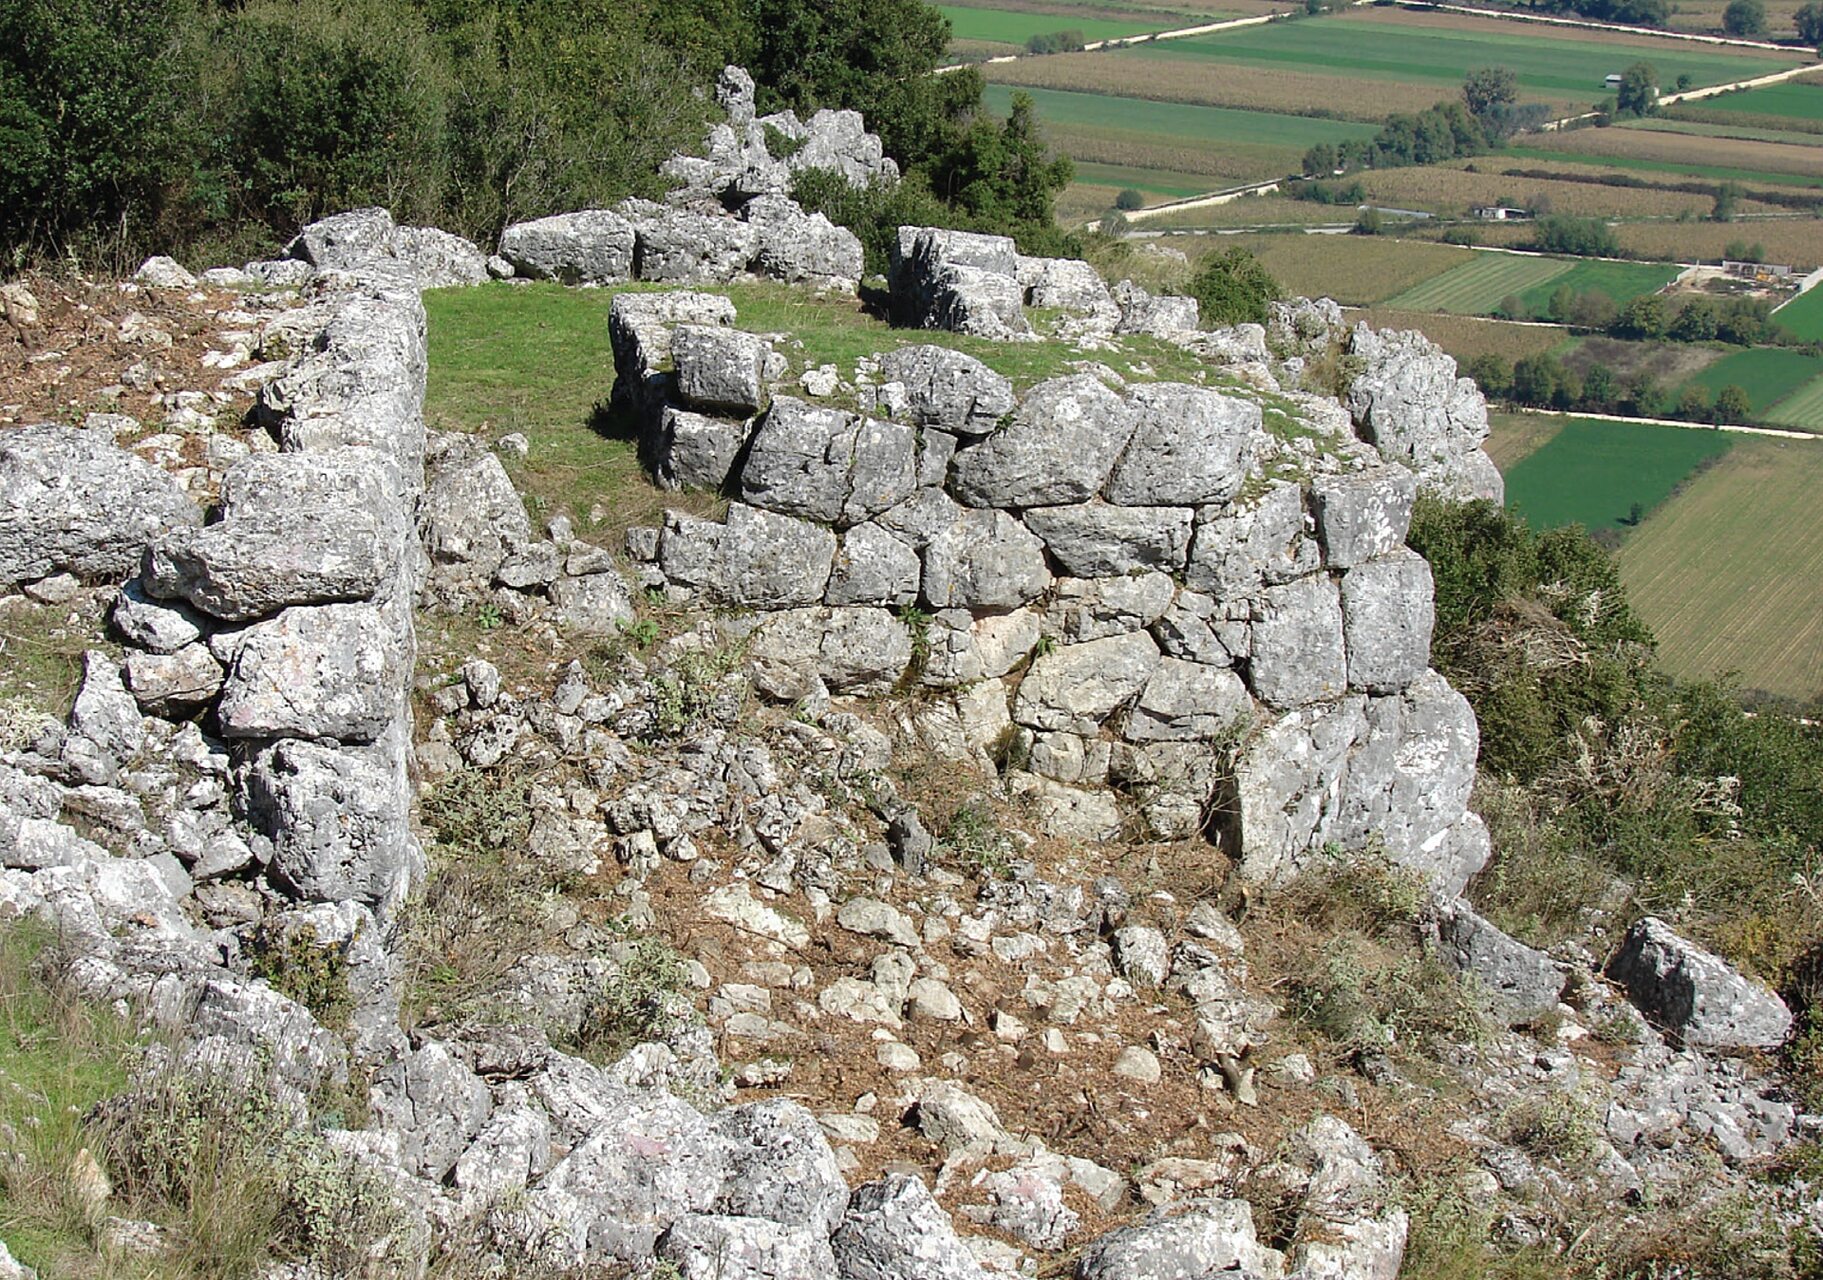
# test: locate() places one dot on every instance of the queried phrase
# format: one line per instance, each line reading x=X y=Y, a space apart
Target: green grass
x=1719 y=173
x=1153 y=182
x=1766 y=374
x=1697 y=129
x=1009 y=26
x=1798 y=101
x=1365 y=48
x=1803 y=408
x=1595 y=473
x=1621 y=281
x=1177 y=121
x=1803 y=316
x=1477 y=287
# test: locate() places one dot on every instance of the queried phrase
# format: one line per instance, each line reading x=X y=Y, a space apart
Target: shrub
x=639 y=1001
x=1129 y=200
x=1233 y=288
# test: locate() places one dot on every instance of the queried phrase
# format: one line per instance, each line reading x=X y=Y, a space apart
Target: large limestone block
x=594 y=246
x=246 y=567
x=695 y=451
x=470 y=517
x=757 y=558
x=327 y=671
x=679 y=247
x=828 y=465
x=363 y=385
x=1190 y=446
x=1408 y=402
x=1215 y=1238
x=800 y=247
x=1520 y=982
x=1241 y=546
x=731 y=1247
x=1063 y=441
x=1697 y=996
x=1100 y=540
x=343 y=240
x=720 y=369
x=780 y=1167
x=640 y=326
x=1364 y=514
x=1077 y=686
x=1093 y=608
x=1297 y=655
x=1387 y=616
x=1187 y=701
x=949 y=389
x=1288 y=786
x=895 y=1230
x=984 y=560
x=964 y=648
x=861 y=651
x=70 y=502
x=338 y=819
x=873 y=566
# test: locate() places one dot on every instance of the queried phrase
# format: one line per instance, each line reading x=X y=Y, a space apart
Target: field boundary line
x=1590 y=25
x=1121 y=42
x=1729 y=428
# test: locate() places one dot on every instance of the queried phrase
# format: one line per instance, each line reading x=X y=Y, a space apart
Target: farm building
x=1501 y=213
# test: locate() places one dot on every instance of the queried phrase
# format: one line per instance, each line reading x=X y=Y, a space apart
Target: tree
x=1809 y=21
x=1647 y=316
x=1727 y=196
x=1486 y=91
x=1693 y=404
x=1537 y=380
x=1599 y=390
x=1584 y=237
x=1320 y=160
x=1744 y=18
x=1558 y=306
x=1492 y=373
x=1592 y=309
x=1696 y=322
x=1638 y=92
x=1732 y=405
x=1233 y=288
x=1129 y=200
x=1367 y=221
x=1643 y=395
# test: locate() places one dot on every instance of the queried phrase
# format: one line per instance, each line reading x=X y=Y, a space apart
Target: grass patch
x=1516 y=436
x=1478 y=286
x=1803 y=408
x=1725 y=573
x=1766 y=374
x=1802 y=317
x=1012 y=26
x=1621 y=281
x=1796 y=99
x=1597 y=473
x=1354 y=270
x=40 y=664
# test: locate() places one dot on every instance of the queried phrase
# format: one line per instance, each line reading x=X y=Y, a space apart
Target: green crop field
x=1175 y=120
x=1766 y=374
x=1595 y=473
x=1407 y=46
x=1476 y=288
x=1802 y=409
x=1621 y=281
x=1803 y=316
x=1722 y=173
x=1726 y=571
x=1795 y=99
x=1164 y=183
x=1009 y=26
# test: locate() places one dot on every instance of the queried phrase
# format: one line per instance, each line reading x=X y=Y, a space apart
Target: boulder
x=1190 y=446
x=1216 y=1237
x=1077 y=686
x=639 y=330
x=757 y=558
x=1066 y=284
x=800 y=247
x=828 y=465
x=593 y=246
x=593 y=604
x=958 y=280
x=780 y=1167
x=1363 y=515
x=984 y=560
x=1188 y=702
x=1159 y=317
x=70 y=502
x=1695 y=995
x=246 y=567
x=1064 y=439
x=1297 y=652
x=1248 y=543
x=839 y=141
x=694 y=451
x=949 y=390
x=727 y=1247
x=679 y=247
x=154 y=625
x=343 y=240
x=873 y=566
x=363 y=384
x=1093 y=608
x=856 y=650
x=338 y=819
x=440 y=260
x=1520 y=982
x=895 y=1230
x=1387 y=615
x=1099 y=540
x=1408 y=402
x=160 y=272
x=329 y=671
x=174 y=684
x=719 y=369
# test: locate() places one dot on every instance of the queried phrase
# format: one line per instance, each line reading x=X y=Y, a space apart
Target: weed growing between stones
x=692 y=690
x=643 y=1000
x=298 y=964
x=975 y=837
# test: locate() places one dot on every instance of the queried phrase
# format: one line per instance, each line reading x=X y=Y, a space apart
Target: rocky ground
x=926 y=871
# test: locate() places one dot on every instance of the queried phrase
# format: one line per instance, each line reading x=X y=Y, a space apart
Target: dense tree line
x=222 y=125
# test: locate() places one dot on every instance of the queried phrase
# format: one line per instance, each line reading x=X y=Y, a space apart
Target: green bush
x=1232 y=288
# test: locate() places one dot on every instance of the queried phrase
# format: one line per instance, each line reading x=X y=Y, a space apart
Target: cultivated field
x=1766 y=374
x=1670 y=364
x=1466 y=337
x=1694 y=153
x=1476 y=288
x=1726 y=572
x=1714 y=172
x=1456 y=188
x=1354 y=270
x=1014 y=27
x=1803 y=316
x=1797 y=99
x=1803 y=408
x=1518 y=435
x=1795 y=241
x=1595 y=473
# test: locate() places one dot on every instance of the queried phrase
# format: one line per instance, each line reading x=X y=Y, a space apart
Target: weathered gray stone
x=639 y=330
x=595 y=604
x=1190 y=446
x=949 y=390
x=757 y=558
x=680 y=247
x=1239 y=547
x=873 y=567
x=470 y=517
x=1099 y=540
x=246 y=567
x=780 y=1167
x=153 y=625
x=593 y=246
x=965 y=648
x=105 y=729
x=1067 y=284
x=434 y=1104
x=1297 y=655
x=839 y=141
x=439 y=260
x=1187 y=701
x=1387 y=615
x=70 y=502
x=160 y=272
x=853 y=650
x=1697 y=996
x=985 y=560
x=1063 y=441
x=800 y=247
x=329 y=671
x=174 y=683
x=1093 y=608
x=1216 y=1237
x=1286 y=782
x=1077 y=686
x=1408 y=402
x=363 y=381
x=895 y=1230
x=1161 y=316
x=343 y=240
x=828 y=465
x=1520 y=982
x=720 y=369
x=693 y=451
x=726 y=1247
x=1363 y=514
x=338 y=819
